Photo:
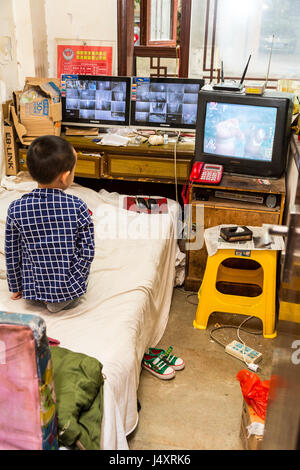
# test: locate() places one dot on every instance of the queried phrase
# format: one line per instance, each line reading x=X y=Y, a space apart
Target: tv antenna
x=222 y=72
x=259 y=89
x=268 y=70
x=245 y=71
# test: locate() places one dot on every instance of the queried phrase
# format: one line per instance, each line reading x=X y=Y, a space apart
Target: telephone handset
x=196 y=171
x=206 y=173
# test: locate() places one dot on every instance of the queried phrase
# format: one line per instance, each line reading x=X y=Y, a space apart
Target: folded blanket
x=78 y=385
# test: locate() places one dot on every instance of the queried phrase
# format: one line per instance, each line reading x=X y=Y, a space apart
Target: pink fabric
x=53 y=342
x=20 y=422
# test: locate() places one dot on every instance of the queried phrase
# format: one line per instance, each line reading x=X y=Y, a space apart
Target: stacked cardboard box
x=249 y=423
x=10 y=145
x=36 y=110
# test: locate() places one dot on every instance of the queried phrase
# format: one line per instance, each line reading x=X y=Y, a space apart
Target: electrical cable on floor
x=184 y=292
x=192 y=303
x=239 y=328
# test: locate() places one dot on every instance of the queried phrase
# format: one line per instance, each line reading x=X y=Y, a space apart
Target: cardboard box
x=249 y=421
x=10 y=145
x=37 y=109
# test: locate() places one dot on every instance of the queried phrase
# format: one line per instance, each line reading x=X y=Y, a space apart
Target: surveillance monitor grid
x=165 y=103
x=95 y=100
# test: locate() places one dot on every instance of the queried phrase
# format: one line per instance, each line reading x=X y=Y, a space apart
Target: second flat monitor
x=169 y=103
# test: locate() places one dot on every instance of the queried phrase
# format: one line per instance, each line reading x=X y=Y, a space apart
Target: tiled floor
x=201 y=407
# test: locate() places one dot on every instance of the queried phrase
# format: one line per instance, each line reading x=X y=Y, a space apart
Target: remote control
x=244 y=353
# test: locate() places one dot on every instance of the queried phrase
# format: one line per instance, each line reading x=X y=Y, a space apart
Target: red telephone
x=206 y=173
x=202 y=173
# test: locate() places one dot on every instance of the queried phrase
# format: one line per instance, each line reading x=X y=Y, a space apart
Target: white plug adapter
x=252 y=366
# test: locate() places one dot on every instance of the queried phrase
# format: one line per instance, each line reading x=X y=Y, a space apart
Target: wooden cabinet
x=161 y=163
x=207 y=210
x=87 y=166
x=154 y=168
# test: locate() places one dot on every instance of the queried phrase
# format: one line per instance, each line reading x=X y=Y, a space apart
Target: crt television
x=247 y=134
x=97 y=101
x=169 y=103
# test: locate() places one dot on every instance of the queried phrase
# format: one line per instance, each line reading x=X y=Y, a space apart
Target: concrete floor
x=201 y=407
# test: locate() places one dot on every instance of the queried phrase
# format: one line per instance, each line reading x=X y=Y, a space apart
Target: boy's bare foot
x=16 y=295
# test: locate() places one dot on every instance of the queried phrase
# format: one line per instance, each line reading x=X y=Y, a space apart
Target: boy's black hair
x=48 y=156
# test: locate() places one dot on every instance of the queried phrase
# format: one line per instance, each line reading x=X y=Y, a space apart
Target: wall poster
x=84 y=60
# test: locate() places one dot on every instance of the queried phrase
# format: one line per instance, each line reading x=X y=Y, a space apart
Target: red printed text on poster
x=84 y=60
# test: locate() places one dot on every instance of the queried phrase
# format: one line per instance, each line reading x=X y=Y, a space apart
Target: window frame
x=145 y=9
x=127 y=52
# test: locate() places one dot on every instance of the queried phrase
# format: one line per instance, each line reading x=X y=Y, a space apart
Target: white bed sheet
x=126 y=307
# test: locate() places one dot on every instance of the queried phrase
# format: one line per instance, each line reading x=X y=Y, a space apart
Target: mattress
x=126 y=307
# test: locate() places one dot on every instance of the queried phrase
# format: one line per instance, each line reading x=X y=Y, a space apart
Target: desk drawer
x=87 y=166
x=122 y=166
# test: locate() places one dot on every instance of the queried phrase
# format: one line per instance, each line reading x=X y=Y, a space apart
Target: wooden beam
x=155 y=51
x=185 y=29
x=125 y=37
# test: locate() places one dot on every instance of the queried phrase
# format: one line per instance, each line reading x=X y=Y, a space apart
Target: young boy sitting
x=49 y=237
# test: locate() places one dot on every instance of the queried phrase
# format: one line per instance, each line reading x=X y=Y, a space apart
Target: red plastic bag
x=255 y=392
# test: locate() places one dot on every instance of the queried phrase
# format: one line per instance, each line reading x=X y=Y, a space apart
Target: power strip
x=242 y=352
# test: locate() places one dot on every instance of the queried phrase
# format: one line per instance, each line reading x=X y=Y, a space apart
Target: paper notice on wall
x=84 y=60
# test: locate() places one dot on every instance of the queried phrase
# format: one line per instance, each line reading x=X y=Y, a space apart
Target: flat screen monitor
x=246 y=134
x=97 y=101
x=169 y=103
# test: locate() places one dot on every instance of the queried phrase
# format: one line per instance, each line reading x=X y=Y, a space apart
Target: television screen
x=243 y=131
x=95 y=100
x=247 y=134
x=165 y=102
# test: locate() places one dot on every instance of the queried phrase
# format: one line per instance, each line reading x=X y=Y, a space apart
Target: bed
x=126 y=307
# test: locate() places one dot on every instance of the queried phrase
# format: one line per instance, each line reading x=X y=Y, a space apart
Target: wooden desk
x=132 y=162
x=207 y=210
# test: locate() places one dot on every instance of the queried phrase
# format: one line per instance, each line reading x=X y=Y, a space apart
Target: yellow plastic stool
x=262 y=306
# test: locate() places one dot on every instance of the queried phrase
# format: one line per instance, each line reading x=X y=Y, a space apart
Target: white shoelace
x=159 y=363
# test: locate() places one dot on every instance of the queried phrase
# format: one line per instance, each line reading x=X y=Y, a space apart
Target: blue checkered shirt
x=49 y=245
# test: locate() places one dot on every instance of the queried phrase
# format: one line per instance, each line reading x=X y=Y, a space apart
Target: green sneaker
x=158 y=367
x=173 y=361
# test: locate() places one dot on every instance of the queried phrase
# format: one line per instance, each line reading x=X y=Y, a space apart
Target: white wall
x=31 y=29
x=8 y=56
x=16 y=53
x=23 y=38
x=16 y=47
x=92 y=20
x=39 y=37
